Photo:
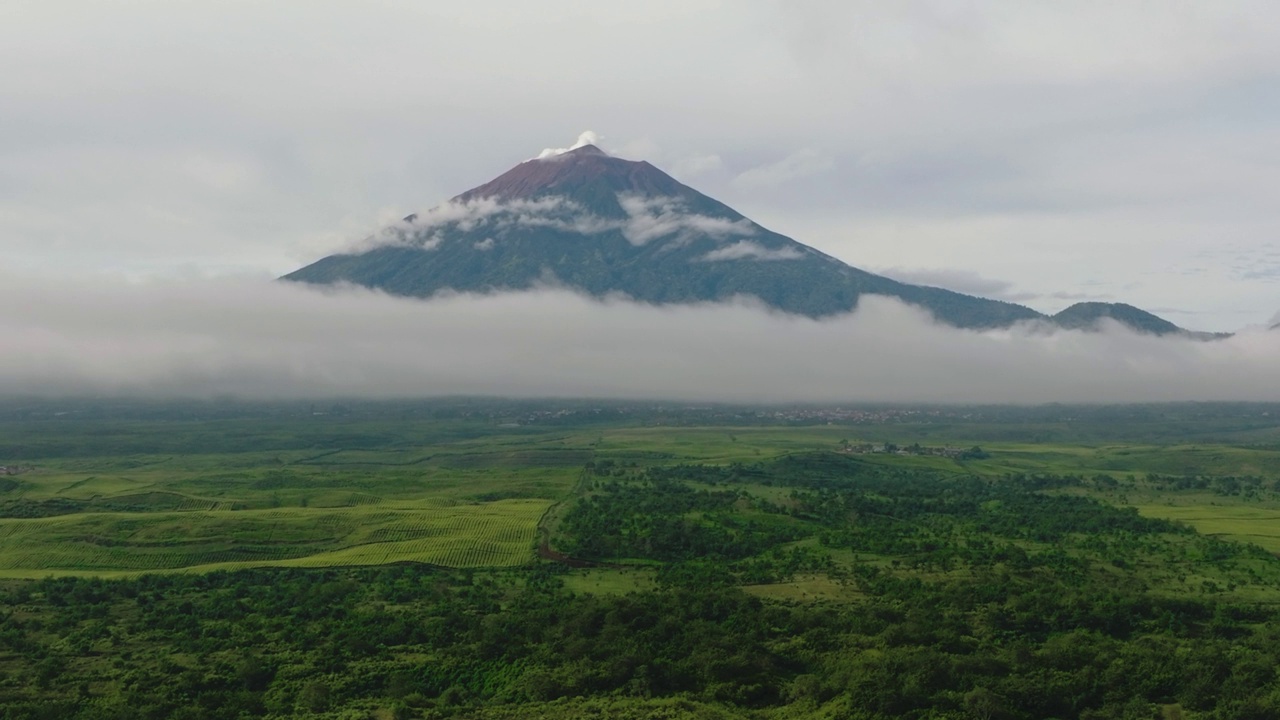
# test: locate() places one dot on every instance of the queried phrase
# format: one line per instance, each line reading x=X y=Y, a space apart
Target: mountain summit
x=593 y=179
x=601 y=225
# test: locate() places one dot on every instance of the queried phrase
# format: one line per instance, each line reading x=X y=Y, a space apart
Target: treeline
x=1227 y=485
x=661 y=519
x=688 y=512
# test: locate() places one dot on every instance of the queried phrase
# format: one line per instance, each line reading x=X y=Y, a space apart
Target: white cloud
x=647 y=219
x=567 y=216
x=586 y=138
x=961 y=281
x=429 y=242
x=652 y=218
x=259 y=338
x=744 y=249
x=423 y=230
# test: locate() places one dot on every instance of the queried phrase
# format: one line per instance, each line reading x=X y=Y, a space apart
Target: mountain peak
x=588 y=149
x=588 y=176
x=588 y=139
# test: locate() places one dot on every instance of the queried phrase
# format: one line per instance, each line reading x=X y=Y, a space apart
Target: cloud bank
x=259 y=338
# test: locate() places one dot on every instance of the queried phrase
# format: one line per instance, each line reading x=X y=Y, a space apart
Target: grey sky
x=1127 y=151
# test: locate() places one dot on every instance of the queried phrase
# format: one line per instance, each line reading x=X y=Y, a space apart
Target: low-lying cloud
x=647 y=219
x=261 y=338
x=422 y=230
x=744 y=249
x=650 y=218
x=962 y=281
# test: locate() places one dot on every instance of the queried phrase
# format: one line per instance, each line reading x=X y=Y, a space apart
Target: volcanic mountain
x=602 y=225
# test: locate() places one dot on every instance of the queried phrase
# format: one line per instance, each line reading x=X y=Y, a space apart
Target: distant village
x=659 y=414
x=14 y=469
x=955 y=453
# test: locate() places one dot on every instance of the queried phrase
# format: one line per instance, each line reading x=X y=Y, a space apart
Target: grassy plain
x=610 y=581
x=1231 y=521
x=355 y=497
x=451 y=534
x=106 y=496
x=1228 y=518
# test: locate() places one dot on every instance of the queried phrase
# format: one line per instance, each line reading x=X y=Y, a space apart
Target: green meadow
x=106 y=496
x=1236 y=521
x=384 y=499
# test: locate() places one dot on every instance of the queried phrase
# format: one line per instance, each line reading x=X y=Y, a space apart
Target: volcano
x=604 y=226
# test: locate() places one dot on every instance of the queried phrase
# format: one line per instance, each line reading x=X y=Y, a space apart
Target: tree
x=315 y=696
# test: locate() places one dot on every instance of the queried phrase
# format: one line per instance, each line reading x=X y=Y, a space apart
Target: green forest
x=734 y=571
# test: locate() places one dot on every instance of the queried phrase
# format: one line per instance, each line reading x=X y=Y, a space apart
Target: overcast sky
x=1040 y=152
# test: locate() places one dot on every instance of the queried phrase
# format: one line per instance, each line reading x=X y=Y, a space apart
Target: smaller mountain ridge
x=1087 y=315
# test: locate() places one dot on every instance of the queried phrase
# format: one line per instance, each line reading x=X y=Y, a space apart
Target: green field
x=468 y=503
x=1231 y=521
x=320 y=490
x=493 y=534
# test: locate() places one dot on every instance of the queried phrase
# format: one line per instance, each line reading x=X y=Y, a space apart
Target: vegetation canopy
x=499 y=560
